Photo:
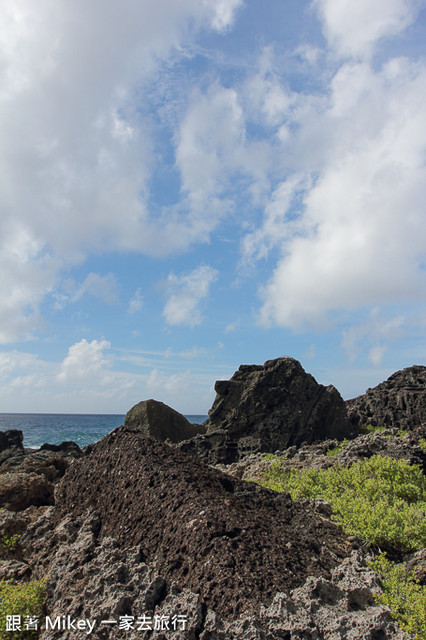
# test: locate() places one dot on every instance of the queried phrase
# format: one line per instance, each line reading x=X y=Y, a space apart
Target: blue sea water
x=55 y=428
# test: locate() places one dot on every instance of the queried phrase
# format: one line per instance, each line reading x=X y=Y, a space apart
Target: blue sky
x=189 y=186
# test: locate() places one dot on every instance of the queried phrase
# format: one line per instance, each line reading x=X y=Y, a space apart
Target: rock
x=68 y=449
x=12 y=438
x=384 y=443
x=14 y=570
x=417 y=565
x=399 y=402
x=342 y=607
x=196 y=526
x=269 y=407
x=94 y=578
x=20 y=490
x=156 y=419
x=10 y=444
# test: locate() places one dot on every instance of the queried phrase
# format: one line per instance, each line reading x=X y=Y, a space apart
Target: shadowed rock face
x=269 y=408
x=400 y=401
x=231 y=541
x=156 y=419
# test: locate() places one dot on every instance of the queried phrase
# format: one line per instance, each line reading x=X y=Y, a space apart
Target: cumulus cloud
x=353 y=28
x=84 y=361
x=354 y=235
x=76 y=156
x=185 y=294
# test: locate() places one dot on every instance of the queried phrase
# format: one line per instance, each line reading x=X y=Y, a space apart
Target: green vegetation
x=403 y=594
x=365 y=429
x=24 y=599
x=270 y=456
x=9 y=543
x=335 y=450
x=402 y=433
x=381 y=499
x=369 y=429
x=422 y=444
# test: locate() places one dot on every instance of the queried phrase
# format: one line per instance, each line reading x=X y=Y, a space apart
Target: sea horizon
x=81 y=428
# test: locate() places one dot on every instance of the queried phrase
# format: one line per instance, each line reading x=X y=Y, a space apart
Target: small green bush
x=403 y=594
x=269 y=456
x=335 y=450
x=9 y=543
x=366 y=429
x=23 y=599
x=381 y=499
x=402 y=433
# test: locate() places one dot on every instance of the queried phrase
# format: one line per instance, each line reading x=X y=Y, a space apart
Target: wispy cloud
x=136 y=303
x=185 y=294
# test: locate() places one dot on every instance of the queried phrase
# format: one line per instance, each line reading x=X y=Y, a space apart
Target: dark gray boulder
x=11 y=439
x=399 y=401
x=11 y=444
x=268 y=408
x=156 y=419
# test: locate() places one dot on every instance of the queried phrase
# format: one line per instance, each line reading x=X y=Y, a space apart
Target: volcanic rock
x=12 y=438
x=100 y=580
x=20 y=490
x=328 y=453
x=400 y=401
x=234 y=543
x=156 y=419
x=269 y=407
x=10 y=444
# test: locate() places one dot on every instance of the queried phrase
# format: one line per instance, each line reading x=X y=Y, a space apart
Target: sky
x=187 y=186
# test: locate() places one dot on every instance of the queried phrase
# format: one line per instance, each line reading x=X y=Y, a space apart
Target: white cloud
x=136 y=303
x=233 y=326
x=162 y=385
x=103 y=287
x=375 y=355
x=210 y=136
x=353 y=28
x=213 y=152
x=94 y=375
x=85 y=360
x=371 y=334
x=76 y=154
x=357 y=235
x=185 y=294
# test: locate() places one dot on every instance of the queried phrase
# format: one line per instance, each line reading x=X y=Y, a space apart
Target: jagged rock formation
x=231 y=541
x=10 y=444
x=269 y=407
x=317 y=456
x=156 y=419
x=27 y=477
x=140 y=528
x=400 y=401
x=97 y=579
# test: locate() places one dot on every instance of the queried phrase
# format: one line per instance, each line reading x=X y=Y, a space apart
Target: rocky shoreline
x=158 y=521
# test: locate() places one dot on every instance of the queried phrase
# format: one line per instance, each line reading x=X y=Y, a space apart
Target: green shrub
x=381 y=499
x=23 y=599
x=403 y=594
x=9 y=543
x=335 y=450
x=365 y=429
x=402 y=433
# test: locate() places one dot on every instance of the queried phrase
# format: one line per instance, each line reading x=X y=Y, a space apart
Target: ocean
x=54 y=428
